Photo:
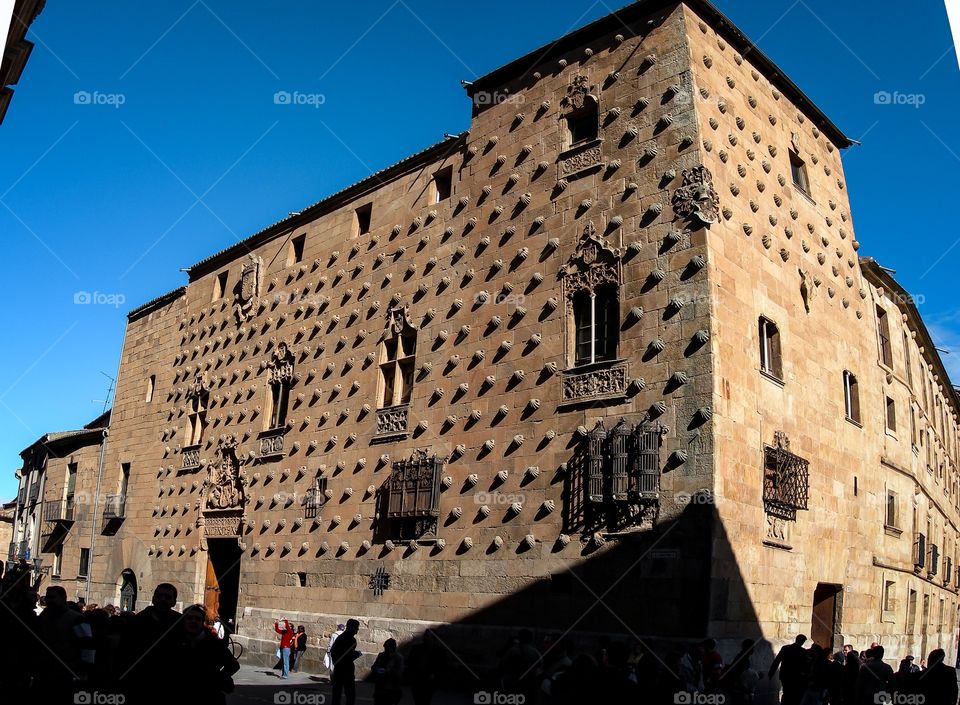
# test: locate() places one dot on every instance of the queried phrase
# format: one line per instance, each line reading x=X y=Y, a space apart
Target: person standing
x=343 y=653
x=424 y=662
x=327 y=660
x=938 y=684
x=146 y=647
x=299 y=647
x=202 y=668
x=792 y=663
x=387 y=672
x=286 y=644
x=875 y=677
x=68 y=652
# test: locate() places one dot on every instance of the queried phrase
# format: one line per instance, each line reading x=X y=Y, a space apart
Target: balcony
x=35 y=492
x=271 y=443
x=58 y=510
x=114 y=507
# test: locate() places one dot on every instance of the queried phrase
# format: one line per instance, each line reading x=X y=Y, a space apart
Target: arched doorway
x=128 y=591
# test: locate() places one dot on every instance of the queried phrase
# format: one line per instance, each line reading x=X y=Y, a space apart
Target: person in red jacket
x=287 y=635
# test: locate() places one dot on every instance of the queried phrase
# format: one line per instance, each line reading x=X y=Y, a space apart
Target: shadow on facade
x=662 y=587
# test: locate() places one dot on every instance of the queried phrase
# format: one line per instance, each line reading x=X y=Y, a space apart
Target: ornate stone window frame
x=393 y=419
x=594 y=264
x=576 y=158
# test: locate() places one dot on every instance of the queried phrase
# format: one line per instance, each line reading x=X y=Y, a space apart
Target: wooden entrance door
x=211 y=590
x=825 y=621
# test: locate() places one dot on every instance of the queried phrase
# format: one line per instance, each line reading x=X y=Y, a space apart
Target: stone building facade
x=608 y=362
x=57 y=518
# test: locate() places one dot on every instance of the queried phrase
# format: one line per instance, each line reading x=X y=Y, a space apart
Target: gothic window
x=583 y=124
x=197 y=415
x=596 y=321
x=591 y=281
x=413 y=496
x=397 y=358
x=580 y=113
x=771 y=360
x=851 y=395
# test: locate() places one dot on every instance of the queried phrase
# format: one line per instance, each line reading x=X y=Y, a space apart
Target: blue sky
x=145 y=136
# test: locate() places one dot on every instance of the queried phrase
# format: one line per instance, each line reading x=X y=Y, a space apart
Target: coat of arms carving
x=249 y=289
x=696 y=197
x=225 y=485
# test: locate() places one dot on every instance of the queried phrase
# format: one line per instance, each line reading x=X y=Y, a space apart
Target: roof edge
x=327 y=204
x=156 y=303
x=618 y=18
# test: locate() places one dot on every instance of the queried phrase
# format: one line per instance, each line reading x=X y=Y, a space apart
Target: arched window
x=596 y=317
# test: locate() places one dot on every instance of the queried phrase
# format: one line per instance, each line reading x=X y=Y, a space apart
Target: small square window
x=220 y=286
x=295 y=254
x=798 y=169
x=302 y=579
x=442 y=185
x=362 y=218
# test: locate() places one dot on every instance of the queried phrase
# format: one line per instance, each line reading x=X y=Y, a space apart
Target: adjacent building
x=16 y=16
x=610 y=361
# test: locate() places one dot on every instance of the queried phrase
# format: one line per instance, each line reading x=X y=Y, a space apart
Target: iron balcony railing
x=58 y=509
x=115 y=506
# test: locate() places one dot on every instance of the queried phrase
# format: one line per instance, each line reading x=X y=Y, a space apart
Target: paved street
x=256 y=684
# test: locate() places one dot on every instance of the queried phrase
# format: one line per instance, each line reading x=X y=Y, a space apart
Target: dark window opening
x=771 y=359
x=596 y=321
x=851 y=393
x=443 y=184
x=84 y=563
x=583 y=125
x=883 y=329
x=891 y=415
x=302 y=578
x=279 y=395
x=363 y=214
x=798 y=170
x=296 y=250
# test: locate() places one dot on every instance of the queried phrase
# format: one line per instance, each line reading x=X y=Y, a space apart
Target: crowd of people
x=815 y=676
x=60 y=651
x=64 y=652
